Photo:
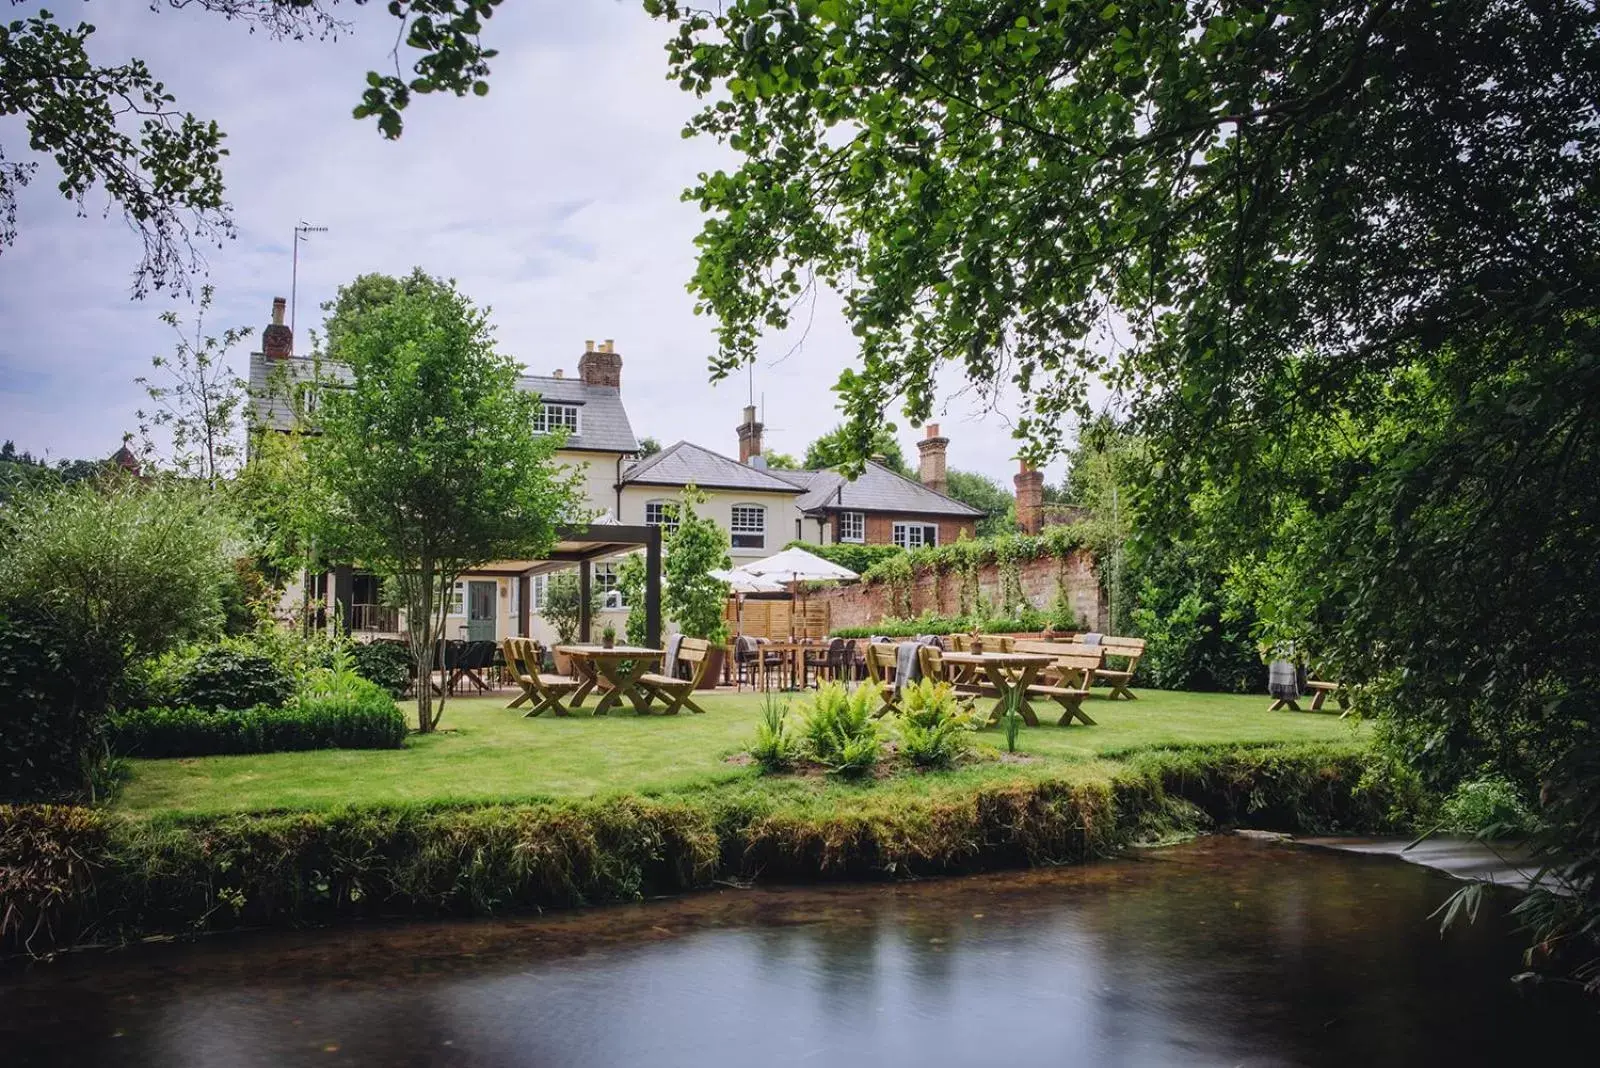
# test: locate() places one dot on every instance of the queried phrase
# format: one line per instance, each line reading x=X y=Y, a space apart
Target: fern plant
x=839 y=732
x=934 y=731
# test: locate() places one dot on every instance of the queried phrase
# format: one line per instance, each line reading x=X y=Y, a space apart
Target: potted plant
x=608 y=637
x=693 y=599
x=563 y=608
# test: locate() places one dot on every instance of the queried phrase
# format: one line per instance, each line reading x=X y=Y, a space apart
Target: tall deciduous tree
x=201 y=400
x=692 y=597
x=835 y=449
x=981 y=491
x=427 y=464
x=1343 y=252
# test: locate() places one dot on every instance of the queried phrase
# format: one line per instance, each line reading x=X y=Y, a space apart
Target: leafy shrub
x=1489 y=806
x=1029 y=621
x=934 y=731
x=230 y=678
x=365 y=719
x=94 y=577
x=386 y=663
x=839 y=732
x=49 y=733
x=775 y=749
x=858 y=558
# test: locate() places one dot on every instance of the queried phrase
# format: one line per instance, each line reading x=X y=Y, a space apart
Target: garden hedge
x=368 y=721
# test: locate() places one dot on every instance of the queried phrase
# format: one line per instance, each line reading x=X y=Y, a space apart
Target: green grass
x=488 y=754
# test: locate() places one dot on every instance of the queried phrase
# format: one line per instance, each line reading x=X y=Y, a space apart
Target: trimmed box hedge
x=367 y=720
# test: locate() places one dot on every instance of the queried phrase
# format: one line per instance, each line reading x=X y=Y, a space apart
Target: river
x=1224 y=951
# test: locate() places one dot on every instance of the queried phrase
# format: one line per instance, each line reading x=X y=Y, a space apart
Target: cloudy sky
x=554 y=200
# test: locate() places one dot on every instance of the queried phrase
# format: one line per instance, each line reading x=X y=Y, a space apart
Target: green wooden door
x=481 y=611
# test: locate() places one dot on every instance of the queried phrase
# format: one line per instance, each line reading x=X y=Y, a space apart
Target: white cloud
x=555 y=200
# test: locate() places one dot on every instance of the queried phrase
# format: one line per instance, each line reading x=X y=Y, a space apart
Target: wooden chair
x=1119 y=680
x=524 y=657
x=676 y=693
x=880 y=675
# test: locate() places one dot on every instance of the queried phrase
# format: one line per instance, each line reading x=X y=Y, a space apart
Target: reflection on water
x=1222 y=952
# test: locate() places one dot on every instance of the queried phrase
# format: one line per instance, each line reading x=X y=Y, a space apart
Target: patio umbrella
x=795 y=566
x=741 y=583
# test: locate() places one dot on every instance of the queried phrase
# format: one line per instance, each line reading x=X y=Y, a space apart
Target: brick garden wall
x=862 y=605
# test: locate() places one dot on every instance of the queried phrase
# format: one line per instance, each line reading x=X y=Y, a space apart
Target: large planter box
x=713 y=673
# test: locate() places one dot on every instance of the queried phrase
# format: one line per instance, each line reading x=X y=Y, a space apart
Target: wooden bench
x=676 y=693
x=1069 y=678
x=524 y=657
x=1119 y=680
x=1320 y=691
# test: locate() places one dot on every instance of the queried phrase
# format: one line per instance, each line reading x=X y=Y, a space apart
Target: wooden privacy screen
x=771 y=619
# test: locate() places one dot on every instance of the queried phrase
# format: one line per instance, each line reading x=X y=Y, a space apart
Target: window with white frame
x=605 y=581
x=749 y=526
x=553 y=416
x=853 y=526
x=662 y=514
x=536 y=592
x=458 y=600
x=915 y=535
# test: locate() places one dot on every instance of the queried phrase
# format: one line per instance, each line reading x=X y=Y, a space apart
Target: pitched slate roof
x=876 y=489
x=602 y=420
x=683 y=463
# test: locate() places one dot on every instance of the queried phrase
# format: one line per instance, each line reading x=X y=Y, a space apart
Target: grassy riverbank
x=487 y=754
x=586 y=811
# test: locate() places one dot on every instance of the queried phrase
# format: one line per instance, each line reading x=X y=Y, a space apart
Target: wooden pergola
x=583 y=546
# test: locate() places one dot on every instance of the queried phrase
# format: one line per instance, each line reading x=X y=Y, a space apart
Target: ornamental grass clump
x=839 y=732
x=775 y=748
x=933 y=730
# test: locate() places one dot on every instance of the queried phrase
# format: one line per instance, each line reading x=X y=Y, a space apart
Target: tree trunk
x=419 y=624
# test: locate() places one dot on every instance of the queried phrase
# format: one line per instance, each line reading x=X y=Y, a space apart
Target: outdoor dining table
x=999 y=674
x=619 y=665
x=793 y=653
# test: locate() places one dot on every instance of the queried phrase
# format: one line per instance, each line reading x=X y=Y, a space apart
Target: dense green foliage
x=94 y=577
x=833 y=450
x=386 y=663
x=367 y=721
x=1347 y=250
x=428 y=463
x=563 y=604
x=227 y=677
x=999 y=506
x=691 y=597
x=890 y=627
x=776 y=747
x=858 y=558
x=50 y=730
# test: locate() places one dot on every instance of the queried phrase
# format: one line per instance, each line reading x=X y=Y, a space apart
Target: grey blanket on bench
x=907 y=666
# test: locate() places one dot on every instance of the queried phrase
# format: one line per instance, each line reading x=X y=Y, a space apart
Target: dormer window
x=553 y=416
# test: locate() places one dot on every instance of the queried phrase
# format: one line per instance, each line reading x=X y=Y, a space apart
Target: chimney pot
x=601 y=366
x=588 y=346
x=277 y=340
x=931 y=468
x=559 y=373
x=750 y=438
x=1030 y=497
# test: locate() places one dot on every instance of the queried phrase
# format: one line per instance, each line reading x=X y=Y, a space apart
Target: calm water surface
x=1222 y=952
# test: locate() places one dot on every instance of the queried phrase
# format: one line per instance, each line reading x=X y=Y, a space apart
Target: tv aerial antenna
x=300 y=233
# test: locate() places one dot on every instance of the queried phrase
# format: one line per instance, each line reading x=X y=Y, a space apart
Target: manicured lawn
x=487 y=753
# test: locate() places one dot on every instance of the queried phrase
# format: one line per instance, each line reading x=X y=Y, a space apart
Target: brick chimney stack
x=931 y=469
x=750 y=439
x=1030 y=498
x=277 y=340
x=600 y=366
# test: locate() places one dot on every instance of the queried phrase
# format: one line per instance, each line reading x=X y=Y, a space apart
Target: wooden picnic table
x=999 y=675
x=793 y=654
x=621 y=666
